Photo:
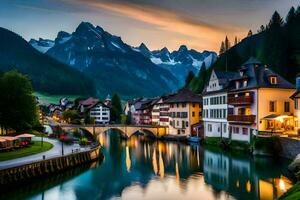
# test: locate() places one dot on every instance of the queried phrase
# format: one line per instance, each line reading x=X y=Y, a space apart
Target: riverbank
x=46 y=167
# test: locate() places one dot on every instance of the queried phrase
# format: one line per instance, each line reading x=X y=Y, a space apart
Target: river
x=140 y=168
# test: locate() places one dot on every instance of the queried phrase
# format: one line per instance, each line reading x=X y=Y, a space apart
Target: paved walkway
x=52 y=153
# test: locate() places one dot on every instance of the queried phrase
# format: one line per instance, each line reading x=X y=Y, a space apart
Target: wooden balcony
x=241 y=99
x=241 y=119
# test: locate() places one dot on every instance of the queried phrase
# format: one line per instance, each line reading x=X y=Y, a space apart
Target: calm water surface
x=143 y=169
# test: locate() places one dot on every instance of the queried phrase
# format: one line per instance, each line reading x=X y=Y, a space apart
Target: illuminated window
x=273 y=80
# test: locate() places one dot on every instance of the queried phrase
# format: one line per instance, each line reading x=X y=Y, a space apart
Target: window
x=272 y=106
x=177 y=123
x=193 y=114
x=186 y=123
x=225 y=128
x=209 y=128
x=236 y=130
x=245 y=83
x=194 y=105
x=183 y=105
x=245 y=131
x=237 y=85
x=286 y=106
x=273 y=80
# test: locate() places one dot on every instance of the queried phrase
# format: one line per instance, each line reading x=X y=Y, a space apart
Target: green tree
x=198 y=83
x=227 y=44
x=71 y=116
x=249 y=33
x=116 y=110
x=291 y=15
x=276 y=21
x=222 y=48
x=189 y=78
x=17 y=106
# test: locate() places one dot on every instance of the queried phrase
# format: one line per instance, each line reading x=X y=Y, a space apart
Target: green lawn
x=26 y=151
x=292 y=194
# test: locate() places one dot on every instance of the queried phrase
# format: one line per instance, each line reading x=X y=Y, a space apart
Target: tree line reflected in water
x=140 y=168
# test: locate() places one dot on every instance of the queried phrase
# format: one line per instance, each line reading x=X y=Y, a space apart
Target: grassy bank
x=292 y=194
x=26 y=151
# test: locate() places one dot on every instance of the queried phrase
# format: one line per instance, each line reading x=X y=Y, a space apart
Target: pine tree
x=261 y=29
x=276 y=21
x=291 y=15
x=235 y=41
x=189 y=78
x=227 y=44
x=249 y=33
x=222 y=48
x=116 y=110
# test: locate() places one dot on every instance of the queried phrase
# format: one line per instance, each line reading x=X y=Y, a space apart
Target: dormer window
x=273 y=80
x=245 y=83
x=241 y=73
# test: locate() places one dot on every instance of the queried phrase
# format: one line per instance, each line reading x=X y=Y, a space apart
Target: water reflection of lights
x=248 y=186
x=161 y=165
x=237 y=184
x=154 y=162
x=128 y=160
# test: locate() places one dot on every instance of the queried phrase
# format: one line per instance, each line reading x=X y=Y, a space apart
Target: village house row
x=254 y=100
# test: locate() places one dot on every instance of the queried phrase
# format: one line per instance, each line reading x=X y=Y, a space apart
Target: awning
x=25 y=135
x=8 y=138
x=270 y=117
x=277 y=117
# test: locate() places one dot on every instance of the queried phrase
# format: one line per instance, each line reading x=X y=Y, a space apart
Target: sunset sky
x=199 y=24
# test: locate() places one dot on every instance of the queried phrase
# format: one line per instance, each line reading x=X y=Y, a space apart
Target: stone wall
x=290 y=147
x=45 y=167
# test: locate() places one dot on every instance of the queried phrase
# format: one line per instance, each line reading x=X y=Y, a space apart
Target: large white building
x=215 y=105
x=100 y=112
x=253 y=101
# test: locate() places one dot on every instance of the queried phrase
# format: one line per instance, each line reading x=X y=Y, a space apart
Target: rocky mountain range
x=179 y=62
x=118 y=67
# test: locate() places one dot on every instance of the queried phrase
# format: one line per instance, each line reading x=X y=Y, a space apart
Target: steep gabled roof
x=258 y=76
x=184 y=95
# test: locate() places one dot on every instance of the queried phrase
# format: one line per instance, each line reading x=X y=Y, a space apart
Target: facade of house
x=100 y=112
x=215 y=107
x=257 y=103
x=261 y=104
x=296 y=98
x=185 y=110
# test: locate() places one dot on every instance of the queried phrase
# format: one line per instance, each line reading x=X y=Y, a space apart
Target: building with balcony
x=296 y=98
x=258 y=102
x=185 y=110
x=215 y=105
x=100 y=113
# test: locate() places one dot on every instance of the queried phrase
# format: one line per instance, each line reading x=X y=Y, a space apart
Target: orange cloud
x=201 y=35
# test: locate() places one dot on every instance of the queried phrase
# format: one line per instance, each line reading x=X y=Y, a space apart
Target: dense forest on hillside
x=47 y=74
x=276 y=44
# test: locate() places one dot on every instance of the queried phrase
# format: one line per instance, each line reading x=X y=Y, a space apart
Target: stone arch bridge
x=125 y=130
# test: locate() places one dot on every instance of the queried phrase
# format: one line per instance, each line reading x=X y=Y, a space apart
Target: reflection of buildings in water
x=273 y=188
x=241 y=178
x=216 y=169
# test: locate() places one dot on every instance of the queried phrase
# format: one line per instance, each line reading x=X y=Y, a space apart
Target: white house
x=100 y=112
x=215 y=105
